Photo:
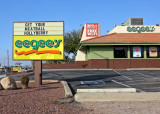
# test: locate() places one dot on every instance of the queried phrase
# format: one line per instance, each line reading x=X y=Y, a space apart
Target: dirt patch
x=151 y=107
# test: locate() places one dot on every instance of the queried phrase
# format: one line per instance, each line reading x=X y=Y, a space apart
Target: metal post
x=38 y=73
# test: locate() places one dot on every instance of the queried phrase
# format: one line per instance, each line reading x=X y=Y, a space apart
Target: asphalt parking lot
x=142 y=80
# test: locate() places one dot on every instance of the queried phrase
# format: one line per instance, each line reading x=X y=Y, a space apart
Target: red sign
x=27 y=66
x=136 y=48
x=92 y=29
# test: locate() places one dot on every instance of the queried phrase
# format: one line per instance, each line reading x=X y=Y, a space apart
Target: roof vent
x=134 y=21
x=123 y=24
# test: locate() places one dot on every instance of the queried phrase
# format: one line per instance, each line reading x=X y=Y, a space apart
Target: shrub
x=24 y=81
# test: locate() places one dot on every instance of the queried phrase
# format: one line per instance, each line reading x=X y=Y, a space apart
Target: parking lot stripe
x=122 y=75
x=144 y=75
x=125 y=85
x=143 y=83
x=121 y=83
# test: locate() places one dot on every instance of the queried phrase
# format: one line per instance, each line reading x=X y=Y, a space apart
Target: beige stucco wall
x=81 y=55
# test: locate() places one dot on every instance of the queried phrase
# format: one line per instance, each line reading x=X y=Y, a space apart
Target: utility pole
x=8 y=57
x=4 y=61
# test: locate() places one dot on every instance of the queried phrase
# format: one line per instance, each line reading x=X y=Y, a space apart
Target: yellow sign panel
x=19 y=69
x=38 y=41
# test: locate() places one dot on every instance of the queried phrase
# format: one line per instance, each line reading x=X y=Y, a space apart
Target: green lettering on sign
x=140 y=29
x=41 y=43
x=36 y=44
x=49 y=43
x=18 y=43
x=26 y=43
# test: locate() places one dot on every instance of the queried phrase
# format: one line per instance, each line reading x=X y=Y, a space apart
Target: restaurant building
x=129 y=45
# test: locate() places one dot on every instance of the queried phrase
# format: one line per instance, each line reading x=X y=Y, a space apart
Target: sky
x=74 y=13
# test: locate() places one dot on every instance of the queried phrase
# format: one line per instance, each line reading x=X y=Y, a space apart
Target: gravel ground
x=40 y=101
x=33 y=100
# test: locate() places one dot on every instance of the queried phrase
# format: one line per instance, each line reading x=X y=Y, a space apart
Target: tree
x=71 y=42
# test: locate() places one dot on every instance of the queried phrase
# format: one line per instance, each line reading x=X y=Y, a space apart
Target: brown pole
x=38 y=73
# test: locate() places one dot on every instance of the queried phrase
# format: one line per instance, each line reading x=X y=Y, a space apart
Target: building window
x=152 y=52
x=136 y=51
x=120 y=51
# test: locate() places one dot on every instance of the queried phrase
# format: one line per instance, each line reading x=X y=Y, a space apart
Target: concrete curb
x=43 y=81
x=73 y=69
x=67 y=90
x=2 y=76
x=150 y=96
x=143 y=68
x=52 y=81
x=111 y=90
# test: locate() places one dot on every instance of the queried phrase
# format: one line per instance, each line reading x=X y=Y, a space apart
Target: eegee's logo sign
x=36 y=44
x=43 y=41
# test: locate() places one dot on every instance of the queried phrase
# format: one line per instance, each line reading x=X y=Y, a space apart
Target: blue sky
x=73 y=13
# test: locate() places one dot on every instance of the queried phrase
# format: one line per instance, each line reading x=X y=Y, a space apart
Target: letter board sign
x=38 y=40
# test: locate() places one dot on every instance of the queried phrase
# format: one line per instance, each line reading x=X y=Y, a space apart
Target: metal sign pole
x=38 y=73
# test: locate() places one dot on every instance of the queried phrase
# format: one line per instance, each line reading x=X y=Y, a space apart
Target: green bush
x=24 y=79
